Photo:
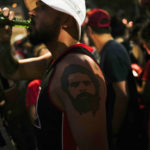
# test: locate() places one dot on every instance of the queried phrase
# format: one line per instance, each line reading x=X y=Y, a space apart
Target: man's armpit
x=82 y=87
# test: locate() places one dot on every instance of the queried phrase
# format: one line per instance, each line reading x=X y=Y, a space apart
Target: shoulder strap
x=78 y=49
x=81 y=48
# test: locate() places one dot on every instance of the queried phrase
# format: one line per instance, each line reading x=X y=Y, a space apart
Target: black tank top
x=52 y=129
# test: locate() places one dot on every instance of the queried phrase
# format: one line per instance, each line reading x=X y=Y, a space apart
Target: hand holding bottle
x=6 y=30
x=7 y=61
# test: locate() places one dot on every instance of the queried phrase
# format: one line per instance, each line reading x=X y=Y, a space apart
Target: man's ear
x=69 y=25
x=67 y=22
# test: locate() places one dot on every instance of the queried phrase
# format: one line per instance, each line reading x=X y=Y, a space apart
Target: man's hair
x=77 y=69
x=117 y=27
x=101 y=30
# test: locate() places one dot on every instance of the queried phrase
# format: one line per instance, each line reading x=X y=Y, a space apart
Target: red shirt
x=32 y=92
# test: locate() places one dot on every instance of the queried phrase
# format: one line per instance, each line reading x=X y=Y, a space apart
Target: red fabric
x=68 y=141
x=146 y=74
x=19 y=54
x=90 y=49
x=147 y=49
x=32 y=92
x=137 y=68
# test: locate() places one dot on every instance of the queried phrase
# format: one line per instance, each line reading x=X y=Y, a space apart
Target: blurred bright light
x=124 y=21
x=130 y=24
x=14 y=5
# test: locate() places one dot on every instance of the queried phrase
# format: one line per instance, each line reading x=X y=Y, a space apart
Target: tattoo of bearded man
x=82 y=87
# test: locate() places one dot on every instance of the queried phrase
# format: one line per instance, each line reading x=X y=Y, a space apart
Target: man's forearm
x=8 y=63
x=119 y=113
x=120 y=106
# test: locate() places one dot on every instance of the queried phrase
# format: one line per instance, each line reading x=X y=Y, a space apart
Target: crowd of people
x=79 y=80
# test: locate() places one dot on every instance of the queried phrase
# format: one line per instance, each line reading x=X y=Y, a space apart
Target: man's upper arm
x=83 y=93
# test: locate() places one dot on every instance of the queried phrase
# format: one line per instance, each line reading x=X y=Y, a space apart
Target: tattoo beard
x=86 y=102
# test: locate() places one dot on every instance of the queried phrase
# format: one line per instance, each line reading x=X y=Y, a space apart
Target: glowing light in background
x=124 y=21
x=130 y=24
x=14 y=5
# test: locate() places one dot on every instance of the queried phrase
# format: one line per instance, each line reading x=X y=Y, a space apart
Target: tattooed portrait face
x=82 y=88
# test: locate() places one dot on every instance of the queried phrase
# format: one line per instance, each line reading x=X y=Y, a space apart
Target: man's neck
x=58 y=47
x=101 y=40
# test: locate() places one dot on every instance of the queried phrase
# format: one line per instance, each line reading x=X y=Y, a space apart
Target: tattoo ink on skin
x=82 y=87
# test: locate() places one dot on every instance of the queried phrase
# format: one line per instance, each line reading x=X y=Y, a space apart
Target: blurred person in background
x=128 y=37
x=144 y=89
x=138 y=51
x=119 y=31
x=32 y=91
x=18 y=120
x=71 y=117
x=122 y=105
x=7 y=95
x=14 y=112
x=33 y=88
x=85 y=39
x=145 y=4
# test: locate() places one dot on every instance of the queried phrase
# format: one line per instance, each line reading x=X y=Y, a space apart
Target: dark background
x=129 y=9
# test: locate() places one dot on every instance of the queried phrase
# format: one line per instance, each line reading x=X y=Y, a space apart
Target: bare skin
x=88 y=128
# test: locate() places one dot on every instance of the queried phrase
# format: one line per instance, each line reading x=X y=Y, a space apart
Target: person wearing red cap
x=122 y=95
x=70 y=110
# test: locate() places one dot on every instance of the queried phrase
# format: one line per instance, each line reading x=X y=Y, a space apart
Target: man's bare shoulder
x=77 y=70
x=79 y=89
x=79 y=59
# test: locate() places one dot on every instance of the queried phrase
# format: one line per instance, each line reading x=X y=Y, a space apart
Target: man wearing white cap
x=70 y=112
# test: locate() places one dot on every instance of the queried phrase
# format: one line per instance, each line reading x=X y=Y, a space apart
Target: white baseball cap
x=74 y=8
